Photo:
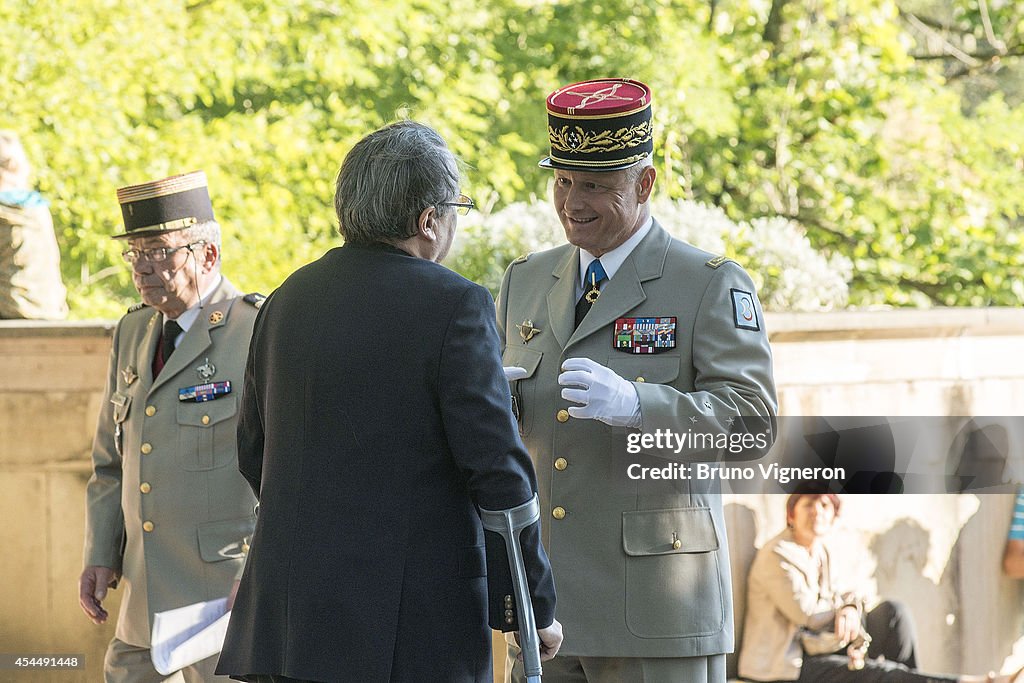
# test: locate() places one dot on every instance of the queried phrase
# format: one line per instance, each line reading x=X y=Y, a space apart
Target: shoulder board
x=136 y=307
x=717 y=261
x=256 y=299
x=522 y=259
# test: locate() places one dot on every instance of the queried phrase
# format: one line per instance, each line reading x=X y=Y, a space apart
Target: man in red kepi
x=626 y=330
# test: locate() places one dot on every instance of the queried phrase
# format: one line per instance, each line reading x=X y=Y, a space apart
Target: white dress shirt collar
x=614 y=259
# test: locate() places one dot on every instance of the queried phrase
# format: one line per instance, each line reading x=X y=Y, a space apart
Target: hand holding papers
x=188 y=634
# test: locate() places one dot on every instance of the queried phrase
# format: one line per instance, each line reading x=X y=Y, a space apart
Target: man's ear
x=426 y=224
x=645 y=183
x=211 y=254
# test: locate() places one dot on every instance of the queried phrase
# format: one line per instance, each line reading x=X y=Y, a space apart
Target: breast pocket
x=523 y=390
x=206 y=433
x=660 y=369
x=219 y=541
x=673 y=578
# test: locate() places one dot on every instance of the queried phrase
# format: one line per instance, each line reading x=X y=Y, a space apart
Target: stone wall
x=938 y=553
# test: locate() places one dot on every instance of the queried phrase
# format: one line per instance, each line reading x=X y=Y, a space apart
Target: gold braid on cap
x=575 y=139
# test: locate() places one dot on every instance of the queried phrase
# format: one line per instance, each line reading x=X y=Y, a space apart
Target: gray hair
x=636 y=170
x=207 y=231
x=389 y=178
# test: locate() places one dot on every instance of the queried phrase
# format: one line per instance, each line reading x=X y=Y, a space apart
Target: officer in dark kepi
x=624 y=330
x=167 y=509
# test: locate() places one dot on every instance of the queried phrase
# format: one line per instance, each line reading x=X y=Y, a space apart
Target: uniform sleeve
x=104 y=525
x=249 y=432
x=732 y=373
x=484 y=440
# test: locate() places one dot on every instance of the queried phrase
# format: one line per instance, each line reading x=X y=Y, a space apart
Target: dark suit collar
x=622 y=293
x=376 y=246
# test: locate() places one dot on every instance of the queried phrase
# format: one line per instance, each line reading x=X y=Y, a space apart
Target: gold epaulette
x=717 y=261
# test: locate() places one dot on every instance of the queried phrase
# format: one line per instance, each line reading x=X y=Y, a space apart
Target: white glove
x=514 y=372
x=605 y=396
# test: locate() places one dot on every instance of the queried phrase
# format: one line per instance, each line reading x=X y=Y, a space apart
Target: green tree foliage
x=789 y=274
x=832 y=114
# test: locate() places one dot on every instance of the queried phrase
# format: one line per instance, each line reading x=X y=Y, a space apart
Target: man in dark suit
x=375 y=421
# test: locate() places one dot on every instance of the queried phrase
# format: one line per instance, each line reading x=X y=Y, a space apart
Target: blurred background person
x=804 y=624
x=30 y=282
x=1013 y=554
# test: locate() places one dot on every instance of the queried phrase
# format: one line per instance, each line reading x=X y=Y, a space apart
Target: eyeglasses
x=156 y=255
x=464 y=204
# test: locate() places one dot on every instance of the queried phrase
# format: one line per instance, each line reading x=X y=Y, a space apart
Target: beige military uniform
x=167 y=506
x=30 y=281
x=641 y=567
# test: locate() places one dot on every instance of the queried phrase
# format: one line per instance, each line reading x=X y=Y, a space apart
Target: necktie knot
x=592 y=281
x=591 y=289
x=595 y=274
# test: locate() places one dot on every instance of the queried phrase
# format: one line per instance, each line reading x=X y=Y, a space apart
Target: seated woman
x=801 y=626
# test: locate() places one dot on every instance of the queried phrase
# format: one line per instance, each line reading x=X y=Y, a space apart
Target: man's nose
x=573 y=198
x=144 y=266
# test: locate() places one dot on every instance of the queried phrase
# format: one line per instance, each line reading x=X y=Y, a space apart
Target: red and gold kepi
x=600 y=125
x=165 y=205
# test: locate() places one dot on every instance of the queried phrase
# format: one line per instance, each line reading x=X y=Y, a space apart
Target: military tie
x=171 y=331
x=591 y=289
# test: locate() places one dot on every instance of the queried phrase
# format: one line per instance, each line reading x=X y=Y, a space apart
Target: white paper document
x=188 y=634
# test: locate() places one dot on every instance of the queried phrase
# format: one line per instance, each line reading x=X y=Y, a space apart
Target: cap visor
x=547 y=162
x=146 y=233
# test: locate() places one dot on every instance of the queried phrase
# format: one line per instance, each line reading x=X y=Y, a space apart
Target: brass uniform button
x=147 y=526
x=562 y=415
x=150 y=411
x=509 y=620
x=206 y=419
x=561 y=464
x=508 y=601
x=641 y=379
x=677 y=544
x=558 y=512
x=509 y=614
x=146 y=448
x=145 y=487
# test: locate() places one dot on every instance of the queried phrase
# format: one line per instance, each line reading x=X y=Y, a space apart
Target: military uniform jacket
x=170 y=464
x=642 y=566
x=375 y=419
